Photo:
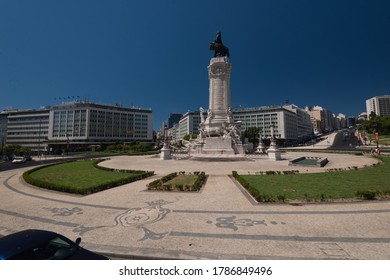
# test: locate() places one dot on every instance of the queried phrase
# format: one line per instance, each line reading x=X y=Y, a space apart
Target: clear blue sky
x=154 y=54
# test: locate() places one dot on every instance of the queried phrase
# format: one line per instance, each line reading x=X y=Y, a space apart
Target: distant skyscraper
x=380 y=105
x=173 y=119
x=351 y=121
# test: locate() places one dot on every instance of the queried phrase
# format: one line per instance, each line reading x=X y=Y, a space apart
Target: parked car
x=28 y=157
x=19 y=160
x=34 y=244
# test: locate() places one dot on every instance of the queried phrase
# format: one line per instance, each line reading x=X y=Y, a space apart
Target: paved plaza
x=219 y=222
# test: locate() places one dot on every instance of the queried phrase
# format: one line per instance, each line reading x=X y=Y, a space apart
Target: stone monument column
x=219 y=95
x=218 y=134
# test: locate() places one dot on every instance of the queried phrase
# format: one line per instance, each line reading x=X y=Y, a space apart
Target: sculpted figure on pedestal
x=217 y=46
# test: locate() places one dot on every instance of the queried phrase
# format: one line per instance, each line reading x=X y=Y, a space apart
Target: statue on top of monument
x=217 y=46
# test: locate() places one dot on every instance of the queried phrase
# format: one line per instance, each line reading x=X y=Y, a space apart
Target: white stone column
x=273 y=151
x=219 y=93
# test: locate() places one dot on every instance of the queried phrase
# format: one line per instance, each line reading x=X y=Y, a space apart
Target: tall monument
x=219 y=134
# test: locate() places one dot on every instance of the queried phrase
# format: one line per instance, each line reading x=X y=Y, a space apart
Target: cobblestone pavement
x=219 y=222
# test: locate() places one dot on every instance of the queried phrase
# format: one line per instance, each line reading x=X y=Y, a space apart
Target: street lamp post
x=67 y=144
x=39 y=138
x=377 y=139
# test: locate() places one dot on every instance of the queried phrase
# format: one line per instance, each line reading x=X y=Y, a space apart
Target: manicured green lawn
x=182 y=180
x=322 y=186
x=178 y=182
x=78 y=177
x=384 y=140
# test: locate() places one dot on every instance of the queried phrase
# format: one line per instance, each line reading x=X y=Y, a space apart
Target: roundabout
x=251 y=164
x=220 y=222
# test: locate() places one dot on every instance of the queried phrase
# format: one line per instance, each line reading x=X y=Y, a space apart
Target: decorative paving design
x=64 y=212
x=140 y=217
x=81 y=229
x=234 y=223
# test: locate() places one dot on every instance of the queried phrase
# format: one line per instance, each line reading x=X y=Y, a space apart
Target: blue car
x=36 y=244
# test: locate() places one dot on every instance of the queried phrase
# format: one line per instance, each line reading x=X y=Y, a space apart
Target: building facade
x=3 y=130
x=304 y=124
x=379 y=105
x=189 y=124
x=174 y=132
x=323 y=120
x=363 y=116
x=28 y=128
x=89 y=122
x=75 y=126
x=341 y=121
x=351 y=121
x=290 y=124
x=173 y=119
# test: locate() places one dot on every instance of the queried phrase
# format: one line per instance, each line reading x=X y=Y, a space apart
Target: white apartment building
x=323 y=120
x=291 y=123
x=174 y=132
x=380 y=105
x=341 y=121
x=28 y=128
x=189 y=124
x=304 y=124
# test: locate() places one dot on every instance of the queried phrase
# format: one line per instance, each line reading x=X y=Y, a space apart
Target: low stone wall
x=319 y=162
x=322 y=162
x=295 y=160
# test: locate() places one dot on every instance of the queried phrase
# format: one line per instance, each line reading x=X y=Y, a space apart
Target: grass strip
x=367 y=183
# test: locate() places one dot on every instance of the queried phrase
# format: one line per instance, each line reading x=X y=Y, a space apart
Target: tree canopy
x=17 y=150
x=379 y=124
x=252 y=133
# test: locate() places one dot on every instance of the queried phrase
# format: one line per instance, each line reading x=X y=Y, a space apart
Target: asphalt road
x=350 y=143
x=8 y=165
x=341 y=143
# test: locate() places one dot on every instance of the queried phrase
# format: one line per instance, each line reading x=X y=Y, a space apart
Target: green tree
x=376 y=123
x=17 y=150
x=187 y=137
x=252 y=133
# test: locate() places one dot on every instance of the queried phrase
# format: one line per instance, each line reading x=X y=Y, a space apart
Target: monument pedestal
x=274 y=153
x=218 y=145
x=260 y=149
x=165 y=153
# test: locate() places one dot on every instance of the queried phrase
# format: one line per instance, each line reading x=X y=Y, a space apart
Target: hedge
x=139 y=175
